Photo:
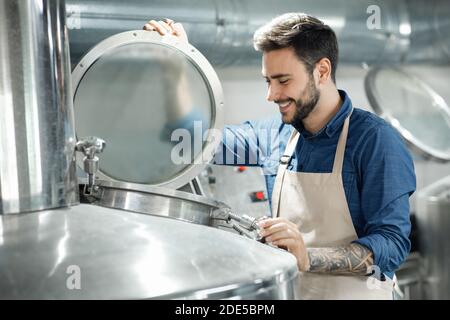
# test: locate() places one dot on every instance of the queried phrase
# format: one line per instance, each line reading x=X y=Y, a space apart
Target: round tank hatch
x=156 y=102
x=419 y=113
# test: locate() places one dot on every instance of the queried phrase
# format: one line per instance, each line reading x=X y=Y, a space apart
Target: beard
x=304 y=107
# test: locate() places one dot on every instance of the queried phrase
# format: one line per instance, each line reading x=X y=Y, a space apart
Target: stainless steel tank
x=37 y=136
x=433 y=221
x=158 y=104
x=422 y=117
x=91 y=252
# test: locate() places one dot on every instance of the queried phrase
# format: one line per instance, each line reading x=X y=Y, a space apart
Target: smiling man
x=340 y=191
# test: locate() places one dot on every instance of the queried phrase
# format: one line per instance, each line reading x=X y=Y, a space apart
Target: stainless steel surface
x=115 y=254
x=37 y=137
x=413 y=30
x=149 y=96
x=420 y=114
x=409 y=278
x=433 y=222
x=193 y=186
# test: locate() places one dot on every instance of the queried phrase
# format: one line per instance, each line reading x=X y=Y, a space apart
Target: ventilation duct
x=408 y=31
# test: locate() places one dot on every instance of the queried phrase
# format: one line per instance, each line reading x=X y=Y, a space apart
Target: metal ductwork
x=37 y=135
x=409 y=30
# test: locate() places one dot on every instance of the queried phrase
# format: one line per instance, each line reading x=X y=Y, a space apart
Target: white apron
x=316 y=203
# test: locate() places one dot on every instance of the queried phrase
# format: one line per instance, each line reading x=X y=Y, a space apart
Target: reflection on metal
x=37 y=137
x=91 y=252
x=136 y=90
x=433 y=221
x=420 y=114
x=413 y=30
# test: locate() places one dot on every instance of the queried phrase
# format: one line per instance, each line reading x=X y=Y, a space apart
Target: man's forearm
x=353 y=259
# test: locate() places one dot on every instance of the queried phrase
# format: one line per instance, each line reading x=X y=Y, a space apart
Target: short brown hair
x=311 y=39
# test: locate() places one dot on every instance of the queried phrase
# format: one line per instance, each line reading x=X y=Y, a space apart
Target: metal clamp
x=243 y=224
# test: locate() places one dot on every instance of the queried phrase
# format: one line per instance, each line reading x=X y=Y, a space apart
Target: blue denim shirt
x=378 y=172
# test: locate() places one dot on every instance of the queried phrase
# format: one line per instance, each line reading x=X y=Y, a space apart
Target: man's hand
x=285 y=234
x=352 y=259
x=167 y=27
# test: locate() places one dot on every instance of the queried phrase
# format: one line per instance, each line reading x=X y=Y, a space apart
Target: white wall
x=245 y=93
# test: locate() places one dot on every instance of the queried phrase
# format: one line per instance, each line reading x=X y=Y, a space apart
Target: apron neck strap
x=282 y=168
x=290 y=148
x=340 y=150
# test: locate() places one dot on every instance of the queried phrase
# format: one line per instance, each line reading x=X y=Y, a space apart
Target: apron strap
x=340 y=149
x=284 y=162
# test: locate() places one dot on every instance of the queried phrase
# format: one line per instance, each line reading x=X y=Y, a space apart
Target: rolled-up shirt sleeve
x=386 y=182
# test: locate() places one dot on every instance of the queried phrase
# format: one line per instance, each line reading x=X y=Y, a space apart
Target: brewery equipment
x=433 y=218
x=422 y=117
x=134 y=235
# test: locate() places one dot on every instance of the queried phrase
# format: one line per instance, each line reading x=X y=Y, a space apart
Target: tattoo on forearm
x=353 y=259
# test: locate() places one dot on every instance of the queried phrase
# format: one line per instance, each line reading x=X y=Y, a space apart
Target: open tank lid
x=419 y=113
x=152 y=99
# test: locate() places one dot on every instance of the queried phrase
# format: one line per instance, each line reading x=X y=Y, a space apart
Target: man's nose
x=273 y=93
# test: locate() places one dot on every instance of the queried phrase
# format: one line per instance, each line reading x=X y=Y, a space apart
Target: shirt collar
x=335 y=123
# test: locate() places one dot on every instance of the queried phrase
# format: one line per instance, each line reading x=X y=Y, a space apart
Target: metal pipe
x=430 y=31
x=37 y=137
x=223 y=29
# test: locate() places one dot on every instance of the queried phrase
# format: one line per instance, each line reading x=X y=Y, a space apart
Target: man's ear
x=323 y=66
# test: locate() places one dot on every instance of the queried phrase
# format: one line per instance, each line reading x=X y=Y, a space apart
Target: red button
x=259 y=195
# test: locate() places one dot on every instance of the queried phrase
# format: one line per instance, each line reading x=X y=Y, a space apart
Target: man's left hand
x=285 y=234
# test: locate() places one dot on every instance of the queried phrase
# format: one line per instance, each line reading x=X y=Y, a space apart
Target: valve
x=243 y=224
x=90 y=147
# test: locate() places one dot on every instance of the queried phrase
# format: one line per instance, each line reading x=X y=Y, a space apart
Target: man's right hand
x=167 y=27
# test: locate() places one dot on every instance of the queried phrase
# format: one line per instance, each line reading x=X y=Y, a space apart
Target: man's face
x=289 y=85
